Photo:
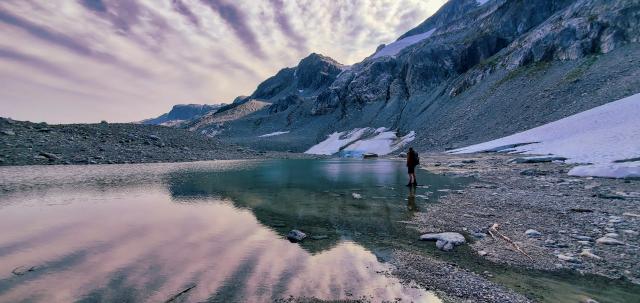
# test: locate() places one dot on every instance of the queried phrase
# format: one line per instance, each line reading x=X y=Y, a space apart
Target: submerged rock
x=296 y=236
x=356 y=196
x=444 y=241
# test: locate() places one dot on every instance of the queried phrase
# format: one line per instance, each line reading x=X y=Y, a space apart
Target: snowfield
x=359 y=141
x=599 y=136
x=394 y=48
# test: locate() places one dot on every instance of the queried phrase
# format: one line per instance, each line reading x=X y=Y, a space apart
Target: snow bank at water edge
x=335 y=142
x=274 y=134
x=600 y=136
x=394 y=48
x=358 y=141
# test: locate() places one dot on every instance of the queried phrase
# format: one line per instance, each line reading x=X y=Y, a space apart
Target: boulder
x=444 y=241
x=296 y=236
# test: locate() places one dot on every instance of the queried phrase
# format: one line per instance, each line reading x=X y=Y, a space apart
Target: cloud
x=133 y=59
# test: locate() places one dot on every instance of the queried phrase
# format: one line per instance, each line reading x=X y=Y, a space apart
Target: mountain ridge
x=457 y=85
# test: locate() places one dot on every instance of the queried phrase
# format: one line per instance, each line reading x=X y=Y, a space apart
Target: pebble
x=587 y=253
x=582 y=238
x=482 y=253
x=532 y=233
x=567 y=258
x=615 y=219
x=8 y=132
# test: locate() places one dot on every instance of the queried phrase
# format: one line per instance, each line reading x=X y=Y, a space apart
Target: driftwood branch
x=493 y=231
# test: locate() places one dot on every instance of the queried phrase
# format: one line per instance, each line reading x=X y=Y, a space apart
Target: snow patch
x=274 y=134
x=359 y=141
x=613 y=170
x=599 y=136
x=335 y=142
x=394 y=48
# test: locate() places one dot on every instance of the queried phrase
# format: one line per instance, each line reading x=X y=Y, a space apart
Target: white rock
x=567 y=258
x=609 y=241
x=356 y=195
x=444 y=241
x=631 y=215
x=612 y=235
x=587 y=253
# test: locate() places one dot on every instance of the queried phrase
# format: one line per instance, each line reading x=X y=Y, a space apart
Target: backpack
x=417 y=159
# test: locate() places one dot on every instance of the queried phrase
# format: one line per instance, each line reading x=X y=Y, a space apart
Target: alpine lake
x=216 y=232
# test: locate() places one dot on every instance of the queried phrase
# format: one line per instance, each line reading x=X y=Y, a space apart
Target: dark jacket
x=412 y=159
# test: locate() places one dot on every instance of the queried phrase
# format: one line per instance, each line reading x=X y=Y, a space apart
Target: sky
x=69 y=61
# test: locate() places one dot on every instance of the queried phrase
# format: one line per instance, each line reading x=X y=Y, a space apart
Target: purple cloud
x=237 y=20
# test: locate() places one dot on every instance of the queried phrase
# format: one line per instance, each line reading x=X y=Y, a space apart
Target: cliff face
x=474 y=71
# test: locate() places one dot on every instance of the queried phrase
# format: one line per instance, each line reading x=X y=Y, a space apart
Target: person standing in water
x=412 y=161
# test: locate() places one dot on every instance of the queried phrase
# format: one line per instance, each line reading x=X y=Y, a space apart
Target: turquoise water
x=144 y=233
x=217 y=232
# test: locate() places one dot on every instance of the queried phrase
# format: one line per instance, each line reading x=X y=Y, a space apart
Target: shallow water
x=146 y=232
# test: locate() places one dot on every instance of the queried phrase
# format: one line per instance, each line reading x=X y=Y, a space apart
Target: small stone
x=356 y=196
x=567 y=258
x=612 y=235
x=154 y=137
x=587 y=253
x=615 y=219
x=630 y=232
x=532 y=233
x=582 y=238
x=609 y=241
x=478 y=235
x=8 y=132
x=631 y=215
x=50 y=156
x=482 y=253
x=296 y=236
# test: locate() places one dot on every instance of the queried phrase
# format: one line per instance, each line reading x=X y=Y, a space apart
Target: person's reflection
x=411 y=199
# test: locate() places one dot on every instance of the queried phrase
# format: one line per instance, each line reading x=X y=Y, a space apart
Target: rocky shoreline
x=27 y=143
x=553 y=222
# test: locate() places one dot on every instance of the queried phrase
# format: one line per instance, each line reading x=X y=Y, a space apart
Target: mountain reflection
x=200 y=224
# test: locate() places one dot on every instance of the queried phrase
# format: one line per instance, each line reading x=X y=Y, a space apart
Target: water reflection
x=146 y=232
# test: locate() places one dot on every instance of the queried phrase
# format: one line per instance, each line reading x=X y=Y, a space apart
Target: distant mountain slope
x=181 y=113
x=479 y=70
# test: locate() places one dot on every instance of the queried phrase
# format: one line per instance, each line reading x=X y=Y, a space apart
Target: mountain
x=473 y=72
x=182 y=112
